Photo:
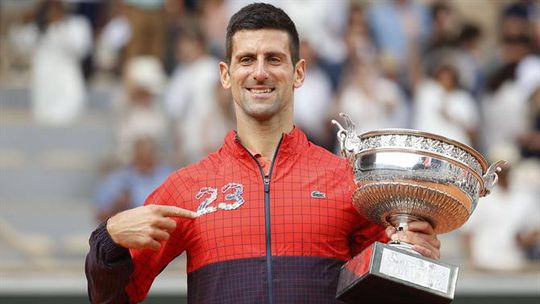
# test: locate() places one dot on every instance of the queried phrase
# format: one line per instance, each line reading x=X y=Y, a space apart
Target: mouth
x=261 y=92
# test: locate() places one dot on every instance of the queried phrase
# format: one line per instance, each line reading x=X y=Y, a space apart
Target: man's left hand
x=421 y=235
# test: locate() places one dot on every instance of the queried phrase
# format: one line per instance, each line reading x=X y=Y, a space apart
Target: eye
x=275 y=60
x=246 y=60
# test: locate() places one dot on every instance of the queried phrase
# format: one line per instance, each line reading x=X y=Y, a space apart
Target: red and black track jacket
x=279 y=238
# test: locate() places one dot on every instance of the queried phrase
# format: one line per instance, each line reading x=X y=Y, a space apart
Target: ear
x=299 y=73
x=224 y=75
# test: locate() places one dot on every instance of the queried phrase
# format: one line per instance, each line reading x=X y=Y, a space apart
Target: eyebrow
x=266 y=55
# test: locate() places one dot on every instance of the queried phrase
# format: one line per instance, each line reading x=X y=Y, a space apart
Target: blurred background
x=101 y=100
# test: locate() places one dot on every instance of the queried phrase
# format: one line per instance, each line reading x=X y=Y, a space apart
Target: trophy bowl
x=403 y=175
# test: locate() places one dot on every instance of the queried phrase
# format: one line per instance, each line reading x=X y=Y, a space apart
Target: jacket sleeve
x=365 y=234
x=108 y=268
x=119 y=275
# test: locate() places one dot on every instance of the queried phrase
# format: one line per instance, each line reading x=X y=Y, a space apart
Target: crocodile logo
x=318 y=194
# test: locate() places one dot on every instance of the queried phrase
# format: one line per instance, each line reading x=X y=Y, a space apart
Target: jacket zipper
x=268 y=234
x=267 y=230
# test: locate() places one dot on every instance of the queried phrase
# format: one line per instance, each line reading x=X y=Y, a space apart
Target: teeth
x=261 y=91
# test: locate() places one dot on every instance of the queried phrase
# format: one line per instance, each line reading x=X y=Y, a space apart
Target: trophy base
x=384 y=274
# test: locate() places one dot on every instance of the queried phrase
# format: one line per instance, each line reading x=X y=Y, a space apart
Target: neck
x=262 y=137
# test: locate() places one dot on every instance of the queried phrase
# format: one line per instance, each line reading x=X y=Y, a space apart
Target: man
x=274 y=220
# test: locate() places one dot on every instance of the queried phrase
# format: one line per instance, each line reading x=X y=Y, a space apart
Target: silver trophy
x=405 y=175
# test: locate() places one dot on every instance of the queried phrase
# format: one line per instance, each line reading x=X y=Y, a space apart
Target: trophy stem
x=400 y=221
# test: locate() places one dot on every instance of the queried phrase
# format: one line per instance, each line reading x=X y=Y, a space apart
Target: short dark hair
x=258 y=16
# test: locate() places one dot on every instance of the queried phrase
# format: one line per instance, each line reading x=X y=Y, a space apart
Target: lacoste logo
x=318 y=194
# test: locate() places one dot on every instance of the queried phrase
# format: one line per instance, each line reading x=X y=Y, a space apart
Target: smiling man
x=267 y=218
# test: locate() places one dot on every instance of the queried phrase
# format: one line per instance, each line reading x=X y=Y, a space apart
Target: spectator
x=443 y=108
x=400 y=30
x=189 y=96
x=503 y=110
x=444 y=29
x=491 y=234
x=324 y=29
x=219 y=121
x=147 y=22
x=372 y=101
x=138 y=109
x=528 y=177
x=112 y=40
x=128 y=186
x=528 y=72
x=529 y=140
x=313 y=100
x=509 y=86
x=59 y=42
x=358 y=38
x=214 y=23
x=468 y=59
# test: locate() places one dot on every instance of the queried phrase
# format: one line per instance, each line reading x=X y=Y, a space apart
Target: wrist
x=109 y=227
x=111 y=250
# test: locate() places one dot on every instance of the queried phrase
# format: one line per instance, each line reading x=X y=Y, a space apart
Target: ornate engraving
x=404 y=175
x=423 y=144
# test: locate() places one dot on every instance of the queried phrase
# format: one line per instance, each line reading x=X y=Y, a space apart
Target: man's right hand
x=146 y=226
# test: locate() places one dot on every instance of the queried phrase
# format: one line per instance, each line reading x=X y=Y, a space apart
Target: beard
x=259 y=109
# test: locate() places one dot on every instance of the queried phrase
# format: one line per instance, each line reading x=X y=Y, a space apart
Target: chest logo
x=318 y=194
x=233 y=198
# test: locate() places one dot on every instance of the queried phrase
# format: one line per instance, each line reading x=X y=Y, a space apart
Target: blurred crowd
x=401 y=63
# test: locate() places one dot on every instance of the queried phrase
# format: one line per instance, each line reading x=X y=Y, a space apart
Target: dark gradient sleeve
x=147 y=263
x=365 y=234
x=108 y=268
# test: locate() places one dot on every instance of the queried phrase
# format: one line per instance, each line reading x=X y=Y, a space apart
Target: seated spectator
x=147 y=22
x=312 y=101
x=370 y=99
x=530 y=139
x=400 y=30
x=112 y=40
x=491 y=236
x=514 y=78
x=442 y=107
x=138 y=109
x=189 y=96
x=128 y=186
x=218 y=122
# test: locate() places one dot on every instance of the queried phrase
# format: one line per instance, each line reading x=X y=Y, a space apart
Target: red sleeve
x=365 y=234
x=147 y=263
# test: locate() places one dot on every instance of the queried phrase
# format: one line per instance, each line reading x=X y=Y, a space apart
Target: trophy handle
x=491 y=177
x=349 y=142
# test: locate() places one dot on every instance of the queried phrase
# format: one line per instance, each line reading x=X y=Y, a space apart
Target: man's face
x=261 y=74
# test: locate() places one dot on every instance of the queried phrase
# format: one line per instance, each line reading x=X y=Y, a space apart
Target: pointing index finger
x=176 y=211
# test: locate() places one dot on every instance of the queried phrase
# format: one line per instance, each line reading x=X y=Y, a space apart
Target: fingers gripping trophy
x=405 y=175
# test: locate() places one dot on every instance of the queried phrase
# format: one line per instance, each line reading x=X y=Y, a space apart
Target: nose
x=260 y=74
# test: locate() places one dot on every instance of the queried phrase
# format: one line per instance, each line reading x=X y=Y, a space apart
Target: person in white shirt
x=374 y=102
x=190 y=95
x=59 y=44
x=313 y=100
x=441 y=107
x=491 y=235
x=138 y=110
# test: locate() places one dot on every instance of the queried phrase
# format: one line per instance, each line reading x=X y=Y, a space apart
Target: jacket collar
x=292 y=143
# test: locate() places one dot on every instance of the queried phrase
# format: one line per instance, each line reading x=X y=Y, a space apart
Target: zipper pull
x=266 y=184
